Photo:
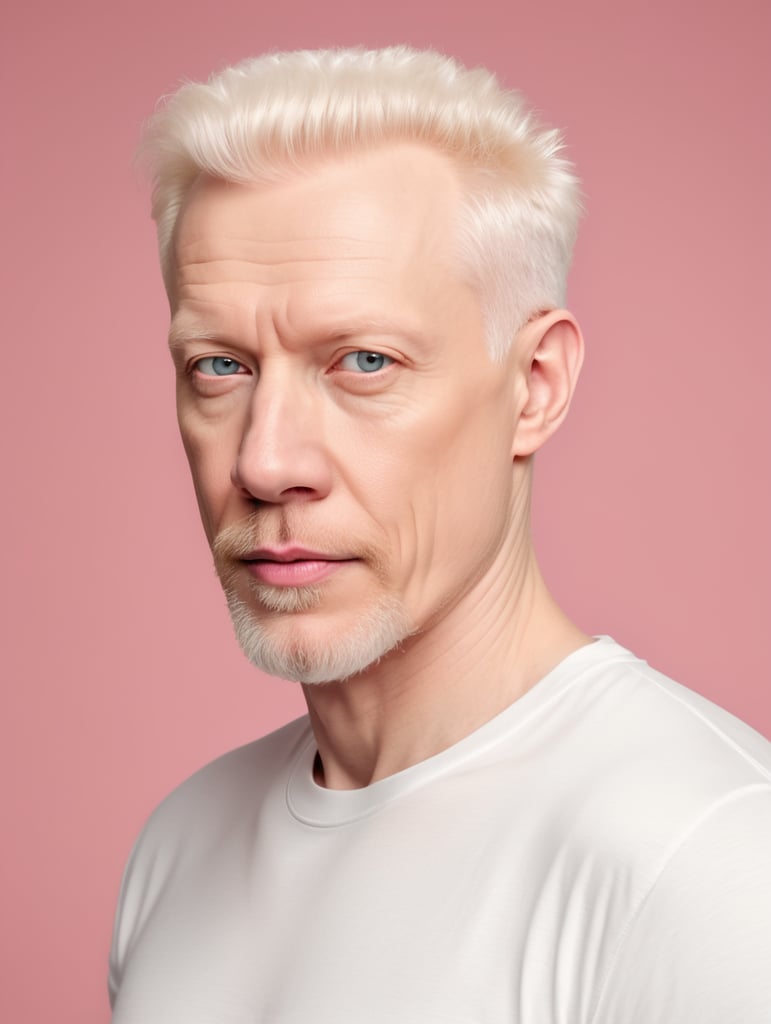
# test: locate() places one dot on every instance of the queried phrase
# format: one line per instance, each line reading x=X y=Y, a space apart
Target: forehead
x=339 y=251
x=407 y=180
x=393 y=207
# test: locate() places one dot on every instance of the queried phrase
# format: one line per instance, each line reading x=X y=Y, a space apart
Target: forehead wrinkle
x=250 y=249
x=335 y=309
x=187 y=327
x=212 y=273
x=213 y=261
x=267 y=274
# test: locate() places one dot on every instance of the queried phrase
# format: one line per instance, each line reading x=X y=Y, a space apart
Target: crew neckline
x=319 y=807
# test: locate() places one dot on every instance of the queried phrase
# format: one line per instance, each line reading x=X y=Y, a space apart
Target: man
x=486 y=815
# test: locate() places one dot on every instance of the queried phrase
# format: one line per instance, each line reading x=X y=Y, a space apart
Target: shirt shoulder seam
x=705 y=721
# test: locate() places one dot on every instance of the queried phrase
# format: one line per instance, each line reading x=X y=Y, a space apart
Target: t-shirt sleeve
x=698 y=947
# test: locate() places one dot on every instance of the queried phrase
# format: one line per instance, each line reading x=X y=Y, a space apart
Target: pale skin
x=411 y=472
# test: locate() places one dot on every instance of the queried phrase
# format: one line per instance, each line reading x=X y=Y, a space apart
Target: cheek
x=389 y=475
x=447 y=504
x=470 y=483
x=476 y=489
x=211 y=458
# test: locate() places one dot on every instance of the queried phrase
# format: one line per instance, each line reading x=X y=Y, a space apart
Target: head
x=364 y=254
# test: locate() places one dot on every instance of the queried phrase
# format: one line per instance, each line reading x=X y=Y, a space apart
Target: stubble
x=272 y=623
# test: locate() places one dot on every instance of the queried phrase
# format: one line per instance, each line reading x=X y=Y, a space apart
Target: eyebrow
x=184 y=330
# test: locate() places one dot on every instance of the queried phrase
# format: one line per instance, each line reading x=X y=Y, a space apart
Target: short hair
x=270 y=117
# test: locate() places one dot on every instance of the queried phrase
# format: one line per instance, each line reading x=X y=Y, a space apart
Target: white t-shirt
x=598 y=853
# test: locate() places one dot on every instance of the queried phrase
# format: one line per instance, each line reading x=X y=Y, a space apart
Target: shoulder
x=685 y=718
x=665 y=815
x=649 y=757
x=232 y=786
x=697 y=939
x=199 y=823
x=645 y=724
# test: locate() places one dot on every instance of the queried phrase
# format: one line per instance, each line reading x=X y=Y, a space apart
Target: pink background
x=652 y=508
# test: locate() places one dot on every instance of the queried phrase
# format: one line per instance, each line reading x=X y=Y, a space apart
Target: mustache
x=233 y=543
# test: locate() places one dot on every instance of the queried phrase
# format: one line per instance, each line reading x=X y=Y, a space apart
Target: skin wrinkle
x=284 y=281
x=463 y=652
x=189 y=328
x=250 y=241
x=210 y=261
x=279 y=279
x=417 y=469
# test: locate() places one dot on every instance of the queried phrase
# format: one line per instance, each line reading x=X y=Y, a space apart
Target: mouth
x=293 y=566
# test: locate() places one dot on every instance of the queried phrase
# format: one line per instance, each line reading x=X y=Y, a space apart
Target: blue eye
x=218 y=366
x=365 y=362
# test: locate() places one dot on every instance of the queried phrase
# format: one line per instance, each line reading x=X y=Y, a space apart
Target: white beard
x=280 y=648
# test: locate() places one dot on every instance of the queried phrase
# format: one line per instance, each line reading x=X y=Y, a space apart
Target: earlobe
x=550 y=354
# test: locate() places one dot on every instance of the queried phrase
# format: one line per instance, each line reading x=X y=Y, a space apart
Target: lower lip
x=293 y=574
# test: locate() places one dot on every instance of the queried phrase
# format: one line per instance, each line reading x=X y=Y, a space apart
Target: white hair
x=282 y=648
x=269 y=117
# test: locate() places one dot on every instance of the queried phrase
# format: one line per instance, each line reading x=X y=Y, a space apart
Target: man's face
x=349 y=437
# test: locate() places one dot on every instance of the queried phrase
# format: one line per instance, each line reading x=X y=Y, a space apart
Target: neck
x=443 y=683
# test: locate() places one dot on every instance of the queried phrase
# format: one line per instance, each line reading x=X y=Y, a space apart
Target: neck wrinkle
x=444 y=683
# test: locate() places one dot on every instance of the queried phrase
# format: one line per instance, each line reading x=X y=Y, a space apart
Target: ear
x=549 y=351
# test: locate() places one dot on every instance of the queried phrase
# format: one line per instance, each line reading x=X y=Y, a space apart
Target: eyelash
x=196 y=367
x=367 y=353
x=239 y=369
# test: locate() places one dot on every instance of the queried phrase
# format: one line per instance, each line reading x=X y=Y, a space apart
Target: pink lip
x=292 y=566
x=291 y=553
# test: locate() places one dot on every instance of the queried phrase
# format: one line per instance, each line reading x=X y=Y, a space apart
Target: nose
x=282 y=456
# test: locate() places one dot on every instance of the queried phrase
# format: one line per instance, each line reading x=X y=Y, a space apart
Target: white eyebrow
x=184 y=329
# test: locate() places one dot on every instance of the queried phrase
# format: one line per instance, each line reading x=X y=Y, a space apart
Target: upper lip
x=291 y=553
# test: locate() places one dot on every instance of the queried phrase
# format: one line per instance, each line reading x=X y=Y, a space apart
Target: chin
x=290 y=642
